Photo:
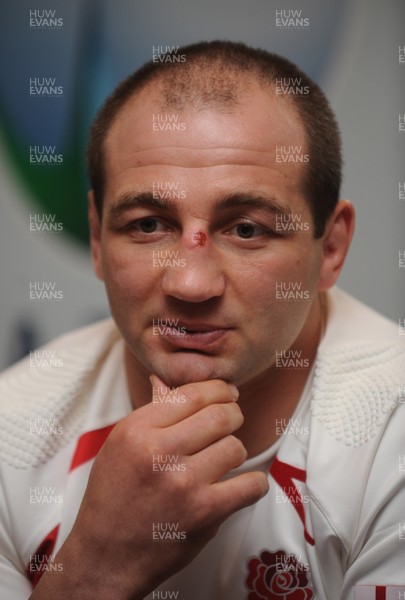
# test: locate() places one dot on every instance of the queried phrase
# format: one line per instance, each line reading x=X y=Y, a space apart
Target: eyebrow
x=129 y=201
x=255 y=200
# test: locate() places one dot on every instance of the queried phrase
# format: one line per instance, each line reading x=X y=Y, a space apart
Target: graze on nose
x=200 y=237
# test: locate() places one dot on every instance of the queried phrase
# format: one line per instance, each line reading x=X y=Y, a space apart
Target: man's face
x=197 y=237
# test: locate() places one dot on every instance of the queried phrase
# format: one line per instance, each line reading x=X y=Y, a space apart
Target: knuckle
x=236 y=448
x=179 y=486
x=201 y=394
x=254 y=486
x=136 y=439
x=186 y=482
x=194 y=394
x=220 y=416
x=222 y=388
x=122 y=436
x=205 y=508
x=138 y=443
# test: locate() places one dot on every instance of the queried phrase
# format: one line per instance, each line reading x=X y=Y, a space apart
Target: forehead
x=148 y=136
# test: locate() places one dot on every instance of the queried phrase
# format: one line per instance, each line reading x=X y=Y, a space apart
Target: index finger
x=172 y=405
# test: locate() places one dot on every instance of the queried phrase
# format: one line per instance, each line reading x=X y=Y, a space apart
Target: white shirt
x=333 y=523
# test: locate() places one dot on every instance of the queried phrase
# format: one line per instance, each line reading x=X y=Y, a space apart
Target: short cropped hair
x=213 y=75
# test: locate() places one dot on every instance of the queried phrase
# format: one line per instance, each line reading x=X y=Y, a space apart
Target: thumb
x=159 y=387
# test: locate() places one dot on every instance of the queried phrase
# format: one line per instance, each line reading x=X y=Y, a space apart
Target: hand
x=154 y=496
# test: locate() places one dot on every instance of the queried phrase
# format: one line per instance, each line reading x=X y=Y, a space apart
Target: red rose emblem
x=277 y=576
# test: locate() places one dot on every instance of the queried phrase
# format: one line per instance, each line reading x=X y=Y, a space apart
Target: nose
x=200 y=275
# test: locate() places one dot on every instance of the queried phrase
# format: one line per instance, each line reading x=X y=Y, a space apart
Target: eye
x=146 y=225
x=247 y=230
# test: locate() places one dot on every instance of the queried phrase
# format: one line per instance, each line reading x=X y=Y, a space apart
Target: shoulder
x=84 y=342
x=351 y=320
x=359 y=371
x=357 y=412
x=45 y=388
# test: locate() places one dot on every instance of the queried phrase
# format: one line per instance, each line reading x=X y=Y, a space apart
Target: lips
x=199 y=327
x=192 y=336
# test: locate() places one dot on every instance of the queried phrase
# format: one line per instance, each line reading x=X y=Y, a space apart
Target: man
x=235 y=432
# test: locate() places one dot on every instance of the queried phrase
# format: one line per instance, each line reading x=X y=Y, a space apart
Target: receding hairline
x=153 y=92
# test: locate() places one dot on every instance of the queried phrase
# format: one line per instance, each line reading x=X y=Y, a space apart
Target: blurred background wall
x=60 y=59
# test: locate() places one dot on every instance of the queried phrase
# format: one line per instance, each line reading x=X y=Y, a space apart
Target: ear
x=335 y=243
x=95 y=235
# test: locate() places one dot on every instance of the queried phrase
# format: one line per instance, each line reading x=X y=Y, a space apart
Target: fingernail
x=234 y=391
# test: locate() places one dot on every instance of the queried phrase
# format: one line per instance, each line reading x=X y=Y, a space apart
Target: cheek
x=128 y=275
x=279 y=291
x=296 y=268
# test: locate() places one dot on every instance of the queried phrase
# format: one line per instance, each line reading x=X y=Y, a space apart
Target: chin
x=183 y=368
